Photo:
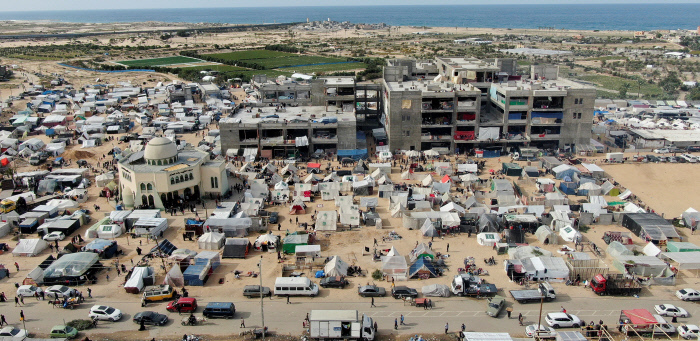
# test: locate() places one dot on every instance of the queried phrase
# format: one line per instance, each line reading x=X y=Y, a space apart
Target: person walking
x=2 y=320
x=396 y=324
x=288 y=300
x=463 y=327
x=509 y=310
x=21 y=315
x=16 y=301
x=372 y=305
x=242 y=323
x=17 y=266
x=448 y=247
x=89 y=292
x=520 y=318
x=447 y=327
x=403 y=324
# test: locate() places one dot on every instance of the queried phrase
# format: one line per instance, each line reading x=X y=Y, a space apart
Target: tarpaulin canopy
x=685 y=260
x=336 y=267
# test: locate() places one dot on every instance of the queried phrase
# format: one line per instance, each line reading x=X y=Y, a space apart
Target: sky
x=53 y=5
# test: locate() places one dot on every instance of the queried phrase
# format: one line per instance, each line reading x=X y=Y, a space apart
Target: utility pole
x=262 y=311
x=539 y=318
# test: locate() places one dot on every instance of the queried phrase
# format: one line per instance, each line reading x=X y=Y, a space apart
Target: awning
x=685 y=260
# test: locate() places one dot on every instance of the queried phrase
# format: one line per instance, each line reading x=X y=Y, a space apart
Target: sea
x=555 y=16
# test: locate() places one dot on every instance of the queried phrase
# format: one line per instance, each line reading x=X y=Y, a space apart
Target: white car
x=688 y=294
x=688 y=331
x=13 y=332
x=28 y=290
x=103 y=312
x=59 y=291
x=670 y=310
x=563 y=320
x=56 y=235
x=662 y=151
x=664 y=326
x=544 y=332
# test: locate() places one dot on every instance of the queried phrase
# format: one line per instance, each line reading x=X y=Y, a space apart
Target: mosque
x=159 y=175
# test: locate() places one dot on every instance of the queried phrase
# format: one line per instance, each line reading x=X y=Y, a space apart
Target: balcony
x=437 y=106
x=430 y=137
x=272 y=141
x=536 y=137
x=557 y=103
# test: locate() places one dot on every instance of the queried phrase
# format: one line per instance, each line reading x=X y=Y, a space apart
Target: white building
x=159 y=175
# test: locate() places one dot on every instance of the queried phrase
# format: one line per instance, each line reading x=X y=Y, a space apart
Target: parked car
x=13 y=332
x=28 y=290
x=664 y=326
x=652 y=158
x=662 y=151
x=255 y=291
x=56 y=235
x=334 y=282
x=150 y=317
x=495 y=305
x=688 y=294
x=688 y=331
x=693 y=149
x=689 y=157
x=274 y=217
x=60 y=291
x=105 y=313
x=185 y=305
x=371 y=291
x=402 y=291
x=563 y=320
x=544 y=332
x=63 y=331
x=670 y=310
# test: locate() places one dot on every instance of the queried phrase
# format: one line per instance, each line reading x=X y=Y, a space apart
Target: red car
x=186 y=305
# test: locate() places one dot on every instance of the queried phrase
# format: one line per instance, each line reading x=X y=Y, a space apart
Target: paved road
x=287 y=318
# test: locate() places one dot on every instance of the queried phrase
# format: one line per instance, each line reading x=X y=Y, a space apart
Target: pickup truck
x=544 y=291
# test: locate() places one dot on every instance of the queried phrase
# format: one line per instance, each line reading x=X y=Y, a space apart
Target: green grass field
x=274 y=59
x=614 y=83
x=220 y=68
x=159 y=61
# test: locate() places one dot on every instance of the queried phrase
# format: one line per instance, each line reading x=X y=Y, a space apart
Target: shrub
x=377 y=275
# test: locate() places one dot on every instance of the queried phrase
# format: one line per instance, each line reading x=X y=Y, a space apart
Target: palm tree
x=640 y=82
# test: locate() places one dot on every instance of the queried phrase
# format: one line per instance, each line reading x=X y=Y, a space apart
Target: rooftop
x=340 y=81
x=471 y=64
x=429 y=86
x=668 y=134
x=185 y=158
x=558 y=84
x=287 y=115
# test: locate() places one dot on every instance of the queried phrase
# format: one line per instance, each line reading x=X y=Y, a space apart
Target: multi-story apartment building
x=475 y=104
x=453 y=105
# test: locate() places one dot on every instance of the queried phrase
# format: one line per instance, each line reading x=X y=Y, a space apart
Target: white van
x=295 y=286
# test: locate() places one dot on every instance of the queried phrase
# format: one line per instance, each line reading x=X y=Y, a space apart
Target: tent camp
x=394 y=265
x=174 y=278
x=236 y=248
x=290 y=242
x=616 y=249
x=421 y=251
x=361 y=188
x=297 y=207
x=211 y=241
x=336 y=267
x=427 y=180
x=452 y=207
x=266 y=242
x=569 y=234
x=422 y=268
x=30 y=247
x=140 y=277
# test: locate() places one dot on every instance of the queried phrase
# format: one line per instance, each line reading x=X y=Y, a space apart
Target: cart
x=192 y=322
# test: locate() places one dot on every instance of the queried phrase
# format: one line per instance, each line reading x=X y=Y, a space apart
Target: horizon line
x=507 y=3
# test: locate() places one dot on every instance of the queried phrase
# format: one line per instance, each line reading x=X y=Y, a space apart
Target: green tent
x=290 y=242
x=681 y=247
x=512 y=169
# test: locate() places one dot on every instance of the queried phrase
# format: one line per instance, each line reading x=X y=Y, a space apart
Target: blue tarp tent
x=196 y=274
x=103 y=247
x=422 y=267
x=355 y=154
x=568 y=188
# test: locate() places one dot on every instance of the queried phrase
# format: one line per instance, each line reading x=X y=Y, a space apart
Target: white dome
x=160 y=148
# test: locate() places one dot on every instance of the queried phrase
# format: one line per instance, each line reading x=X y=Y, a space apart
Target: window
x=405 y=118
x=407 y=133
x=575 y=100
x=177 y=180
x=143 y=186
x=149 y=187
x=214 y=182
x=191 y=176
x=574 y=115
x=182 y=178
x=579 y=116
x=172 y=181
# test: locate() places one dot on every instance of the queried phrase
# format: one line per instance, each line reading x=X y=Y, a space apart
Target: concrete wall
x=550 y=72
x=347 y=135
x=577 y=131
x=402 y=103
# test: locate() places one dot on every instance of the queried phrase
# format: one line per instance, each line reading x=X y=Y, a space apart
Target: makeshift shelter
x=427 y=180
x=684 y=260
x=211 y=241
x=616 y=249
x=512 y=169
x=326 y=221
x=103 y=247
x=30 y=247
x=589 y=188
x=266 y=242
x=72 y=269
x=361 y=188
x=640 y=265
x=651 y=250
x=407 y=175
x=452 y=207
x=681 y=247
x=141 y=277
x=422 y=268
x=527 y=251
x=298 y=207
x=336 y=267
x=236 y=248
x=436 y=290
x=488 y=223
x=394 y=265
x=421 y=251
x=5 y=229
x=109 y=231
x=428 y=229
x=564 y=172
x=546 y=236
x=569 y=234
x=290 y=242
x=488 y=238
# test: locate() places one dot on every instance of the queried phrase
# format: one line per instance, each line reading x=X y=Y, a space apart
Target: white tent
x=487 y=238
x=651 y=250
x=336 y=267
x=211 y=241
x=349 y=215
x=5 y=229
x=175 y=278
x=281 y=186
x=428 y=229
x=109 y=231
x=103 y=179
x=427 y=180
x=406 y=175
x=395 y=265
x=569 y=234
x=268 y=238
x=135 y=283
x=452 y=207
x=431 y=152
x=326 y=221
x=412 y=153
x=30 y=247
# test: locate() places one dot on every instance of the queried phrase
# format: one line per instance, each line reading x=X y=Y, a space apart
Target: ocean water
x=564 y=16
